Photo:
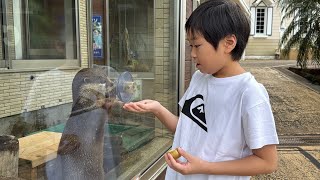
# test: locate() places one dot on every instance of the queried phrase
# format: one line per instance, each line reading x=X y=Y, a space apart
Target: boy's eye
x=196 y=46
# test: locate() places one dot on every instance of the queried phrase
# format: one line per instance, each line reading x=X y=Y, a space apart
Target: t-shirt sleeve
x=194 y=78
x=258 y=122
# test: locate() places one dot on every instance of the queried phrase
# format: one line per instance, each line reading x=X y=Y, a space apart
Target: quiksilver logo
x=194 y=109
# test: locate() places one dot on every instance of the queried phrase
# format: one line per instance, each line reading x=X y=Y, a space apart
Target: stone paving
x=296 y=107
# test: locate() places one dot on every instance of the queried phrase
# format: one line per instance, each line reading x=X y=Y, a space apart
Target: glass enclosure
x=66 y=68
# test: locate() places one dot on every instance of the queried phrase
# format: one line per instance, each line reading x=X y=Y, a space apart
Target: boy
x=226 y=129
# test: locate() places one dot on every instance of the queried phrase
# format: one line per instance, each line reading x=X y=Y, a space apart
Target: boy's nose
x=193 y=54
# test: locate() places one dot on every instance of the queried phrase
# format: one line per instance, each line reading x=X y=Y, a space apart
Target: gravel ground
x=295 y=107
x=296 y=110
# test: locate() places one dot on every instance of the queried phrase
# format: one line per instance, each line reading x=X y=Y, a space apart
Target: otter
x=81 y=149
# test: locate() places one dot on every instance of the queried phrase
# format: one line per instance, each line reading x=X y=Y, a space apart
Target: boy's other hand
x=193 y=165
x=143 y=106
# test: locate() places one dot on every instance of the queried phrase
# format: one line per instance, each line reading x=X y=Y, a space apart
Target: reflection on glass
x=70 y=122
x=50 y=29
x=39 y=29
x=142 y=41
x=132 y=35
x=86 y=150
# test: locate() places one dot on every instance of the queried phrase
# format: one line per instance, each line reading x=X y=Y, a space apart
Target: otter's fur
x=80 y=152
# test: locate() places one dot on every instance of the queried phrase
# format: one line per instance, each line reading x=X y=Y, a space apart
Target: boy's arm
x=167 y=118
x=262 y=161
x=164 y=115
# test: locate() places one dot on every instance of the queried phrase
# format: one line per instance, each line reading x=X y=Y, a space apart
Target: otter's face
x=96 y=89
x=130 y=87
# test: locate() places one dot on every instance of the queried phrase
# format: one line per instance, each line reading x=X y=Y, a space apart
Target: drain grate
x=303 y=140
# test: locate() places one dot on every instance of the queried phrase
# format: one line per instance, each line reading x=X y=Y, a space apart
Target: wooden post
x=9 y=156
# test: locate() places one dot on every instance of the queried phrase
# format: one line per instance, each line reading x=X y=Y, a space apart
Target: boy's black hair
x=216 y=19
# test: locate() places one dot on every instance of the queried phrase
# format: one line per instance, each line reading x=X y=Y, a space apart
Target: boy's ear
x=230 y=43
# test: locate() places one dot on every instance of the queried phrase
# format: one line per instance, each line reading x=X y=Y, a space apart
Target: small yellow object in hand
x=174 y=153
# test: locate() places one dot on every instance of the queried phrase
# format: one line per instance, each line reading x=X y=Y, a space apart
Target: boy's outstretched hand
x=143 y=106
x=193 y=165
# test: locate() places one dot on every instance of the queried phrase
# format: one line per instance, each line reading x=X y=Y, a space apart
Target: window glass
x=2 y=59
x=260 y=20
x=69 y=122
x=39 y=29
x=142 y=41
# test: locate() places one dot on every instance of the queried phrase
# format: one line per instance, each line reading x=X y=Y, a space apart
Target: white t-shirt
x=223 y=119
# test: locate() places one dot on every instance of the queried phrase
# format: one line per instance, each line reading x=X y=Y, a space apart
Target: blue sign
x=97 y=36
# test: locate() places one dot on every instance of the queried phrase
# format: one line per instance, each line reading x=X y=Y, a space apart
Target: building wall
x=188 y=60
x=162 y=54
x=20 y=92
x=83 y=27
x=265 y=46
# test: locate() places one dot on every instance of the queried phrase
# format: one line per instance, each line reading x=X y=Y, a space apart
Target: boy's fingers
x=184 y=154
x=129 y=108
x=133 y=107
x=172 y=160
x=183 y=163
x=142 y=106
x=175 y=164
x=167 y=160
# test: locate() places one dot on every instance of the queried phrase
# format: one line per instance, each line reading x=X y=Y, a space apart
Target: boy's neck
x=232 y=68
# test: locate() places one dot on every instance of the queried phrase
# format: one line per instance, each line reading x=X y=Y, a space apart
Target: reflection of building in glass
x=97 y=37
x=45 y=43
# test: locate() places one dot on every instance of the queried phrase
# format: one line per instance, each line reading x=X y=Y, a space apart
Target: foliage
x=303 y=32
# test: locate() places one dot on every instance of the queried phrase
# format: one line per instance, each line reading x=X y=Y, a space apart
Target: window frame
x=264 y=21
x=268 y=19
x=12 y=65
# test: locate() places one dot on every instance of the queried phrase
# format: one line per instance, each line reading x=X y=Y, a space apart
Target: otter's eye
x=86 y=80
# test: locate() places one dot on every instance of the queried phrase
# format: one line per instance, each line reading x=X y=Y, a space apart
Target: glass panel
x=44 y=40
x=143 y=42
x=69 y=122
x=260 y=21
x=2 y=43
x=41 y=29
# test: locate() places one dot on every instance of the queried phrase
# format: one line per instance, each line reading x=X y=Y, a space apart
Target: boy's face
x=208 y=59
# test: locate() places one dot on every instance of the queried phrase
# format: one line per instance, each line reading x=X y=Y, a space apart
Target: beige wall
x=265 y=46
x=162 y=56
x=83 y=24
x=53 y=87
x=162 y=50
x=18 y=93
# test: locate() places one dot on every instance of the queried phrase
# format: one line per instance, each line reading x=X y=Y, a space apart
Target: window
x=261 y=19
x=36 y=105
x=38 y=30
x=2 y=59
x=50 y=28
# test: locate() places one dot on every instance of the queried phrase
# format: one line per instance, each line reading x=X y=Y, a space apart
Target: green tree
x=303 y=32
